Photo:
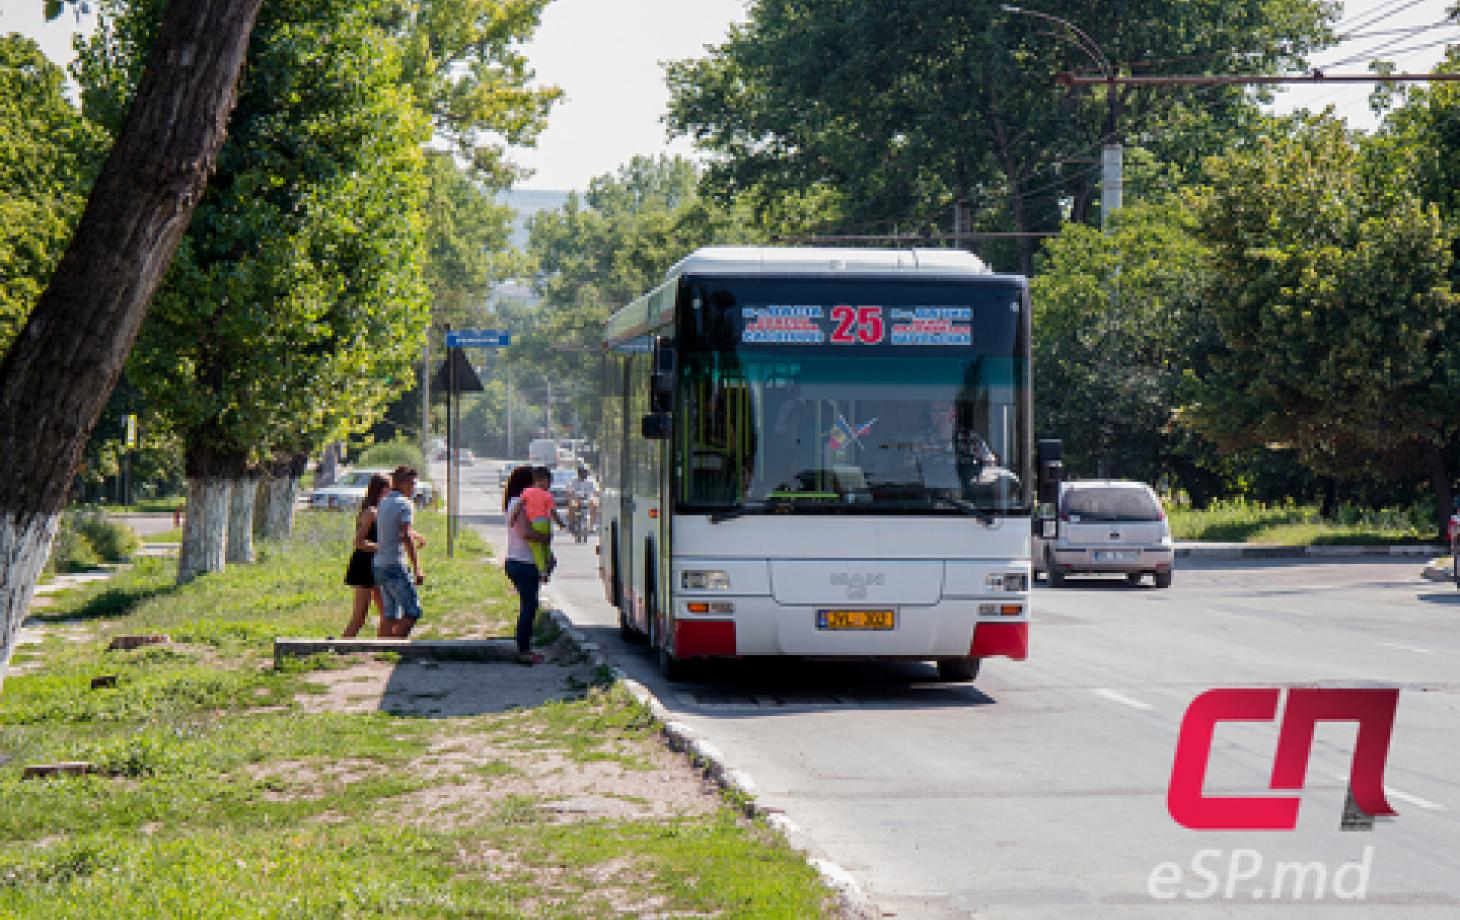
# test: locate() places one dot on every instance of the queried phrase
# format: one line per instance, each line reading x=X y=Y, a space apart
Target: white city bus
x=821 y=453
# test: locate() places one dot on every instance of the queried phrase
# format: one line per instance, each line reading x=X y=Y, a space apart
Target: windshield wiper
x=720 y=517
x=972 y=510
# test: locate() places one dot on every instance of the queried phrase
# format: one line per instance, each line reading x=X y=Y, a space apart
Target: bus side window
x=722 y=441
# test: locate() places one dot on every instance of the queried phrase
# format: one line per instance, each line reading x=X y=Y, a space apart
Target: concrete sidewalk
x=1204 y=550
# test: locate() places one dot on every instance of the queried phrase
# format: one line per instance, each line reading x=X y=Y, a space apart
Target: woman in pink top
x=521 y=564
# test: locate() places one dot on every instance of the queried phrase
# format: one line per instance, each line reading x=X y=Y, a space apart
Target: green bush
x=111 y=541
x=86 y=538
x=392 y=454
x=71 y=551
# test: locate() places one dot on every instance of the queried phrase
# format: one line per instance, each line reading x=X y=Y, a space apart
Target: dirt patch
x=548 y=786
x=473 y=770
x=447 y=689
x=307 y=780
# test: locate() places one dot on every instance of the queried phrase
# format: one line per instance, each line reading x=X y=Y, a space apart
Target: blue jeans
x=398 y=591
x=528 y=580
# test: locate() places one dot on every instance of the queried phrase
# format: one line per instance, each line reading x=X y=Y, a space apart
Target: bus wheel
x=670 y=667
x=626 y=630
x=1052 y=572
x=956 y=670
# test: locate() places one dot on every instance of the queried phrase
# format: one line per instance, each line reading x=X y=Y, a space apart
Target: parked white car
x=1108 y=525
x=349 y=491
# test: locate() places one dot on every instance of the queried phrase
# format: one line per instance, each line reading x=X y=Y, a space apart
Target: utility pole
x=511 y=452
x=1112 y=153
x=426 y=397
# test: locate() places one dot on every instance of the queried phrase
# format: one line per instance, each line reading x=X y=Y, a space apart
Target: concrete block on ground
x=407 y=649
x=125 y=643
x=65 y=768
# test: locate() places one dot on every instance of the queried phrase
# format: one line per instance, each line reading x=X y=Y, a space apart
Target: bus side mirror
x=1050 y=459
x=661 y=378
x=658 y=426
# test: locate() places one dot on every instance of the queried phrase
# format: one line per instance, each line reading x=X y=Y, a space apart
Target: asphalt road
x=1040 y=789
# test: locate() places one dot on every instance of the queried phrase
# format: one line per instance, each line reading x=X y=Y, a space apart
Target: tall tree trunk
x=241 y=495
x=205 y=528
x=1440 y=482
x=59 y=372
x=274 y=511
x=211 y=475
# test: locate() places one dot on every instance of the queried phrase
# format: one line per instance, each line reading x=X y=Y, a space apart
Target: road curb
x=852 y=902
x=1257 y=551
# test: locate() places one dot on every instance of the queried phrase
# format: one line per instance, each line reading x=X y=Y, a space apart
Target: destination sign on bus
x=844 y=324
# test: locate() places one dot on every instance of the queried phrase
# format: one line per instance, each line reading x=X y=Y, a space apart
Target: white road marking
x=1393 y=793
x=1407 y=648
x=1121 y=699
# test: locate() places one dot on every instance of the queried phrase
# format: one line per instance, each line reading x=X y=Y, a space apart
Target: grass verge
x=1239 y=521
x=226 y=788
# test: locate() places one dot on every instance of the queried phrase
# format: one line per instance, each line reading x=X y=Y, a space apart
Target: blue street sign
x=478 y=338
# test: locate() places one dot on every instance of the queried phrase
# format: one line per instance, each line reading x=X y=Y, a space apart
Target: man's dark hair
x=401 y=473
x=540 y=472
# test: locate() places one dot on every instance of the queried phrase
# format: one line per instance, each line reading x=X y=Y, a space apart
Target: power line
x=1073 y=79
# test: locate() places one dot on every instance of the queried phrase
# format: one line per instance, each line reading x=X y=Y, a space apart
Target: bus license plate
x=854 y=619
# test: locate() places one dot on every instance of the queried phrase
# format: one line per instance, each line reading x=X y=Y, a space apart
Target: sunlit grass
x=217 y=795
x=1239 y=521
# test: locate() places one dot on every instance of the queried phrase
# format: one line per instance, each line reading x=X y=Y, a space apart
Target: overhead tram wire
x=1399 y=54
x=1384 y=11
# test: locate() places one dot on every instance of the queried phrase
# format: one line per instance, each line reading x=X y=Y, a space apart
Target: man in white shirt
x=395 y=544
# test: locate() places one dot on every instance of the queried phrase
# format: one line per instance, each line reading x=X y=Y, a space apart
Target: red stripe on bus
x=701 y=638
x=1000 y=640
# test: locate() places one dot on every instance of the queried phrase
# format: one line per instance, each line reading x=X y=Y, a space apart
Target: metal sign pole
x=451 y=437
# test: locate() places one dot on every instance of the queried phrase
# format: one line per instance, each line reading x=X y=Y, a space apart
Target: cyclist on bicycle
x=583 y=494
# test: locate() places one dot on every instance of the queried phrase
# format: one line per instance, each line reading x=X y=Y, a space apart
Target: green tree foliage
x=48 y=155
x=596 y=255
x=1116 y=316
x=1335 y=307
x=467 y=239
x=294 y=306
x=888 y=113
x=464 y=63
x=1422 y=137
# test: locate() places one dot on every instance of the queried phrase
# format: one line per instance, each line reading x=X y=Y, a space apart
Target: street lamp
x=1112 y=155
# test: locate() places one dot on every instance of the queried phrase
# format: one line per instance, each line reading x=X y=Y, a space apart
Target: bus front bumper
x=761 y=626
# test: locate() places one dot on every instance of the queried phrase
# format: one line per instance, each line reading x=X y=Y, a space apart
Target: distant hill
x=527 y=202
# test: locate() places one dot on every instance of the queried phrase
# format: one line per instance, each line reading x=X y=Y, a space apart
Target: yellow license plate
x=854 y=619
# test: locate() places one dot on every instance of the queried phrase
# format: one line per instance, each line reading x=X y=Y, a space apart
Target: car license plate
x=854 y=619
x=1114 y=555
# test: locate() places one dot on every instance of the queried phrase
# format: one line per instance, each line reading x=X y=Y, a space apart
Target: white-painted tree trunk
x=25 y=542
x=274 y=508
x=205 y=529
x=241 y=495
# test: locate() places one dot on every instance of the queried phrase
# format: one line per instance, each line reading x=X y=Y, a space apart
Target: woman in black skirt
x=359 y=574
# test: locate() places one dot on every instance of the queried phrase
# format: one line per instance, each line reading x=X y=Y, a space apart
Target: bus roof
x=655 y=308
x=788 y=260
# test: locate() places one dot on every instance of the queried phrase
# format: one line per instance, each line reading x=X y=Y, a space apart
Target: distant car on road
x=1108 y=526
x=349 y=491
x=465 y=457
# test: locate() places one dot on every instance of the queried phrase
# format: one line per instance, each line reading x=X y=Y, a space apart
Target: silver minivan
x=1108 y=526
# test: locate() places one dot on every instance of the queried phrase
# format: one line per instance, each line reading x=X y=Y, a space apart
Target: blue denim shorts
x=398 y=591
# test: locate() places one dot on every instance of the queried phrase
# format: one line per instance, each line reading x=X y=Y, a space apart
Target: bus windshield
x=922 y=412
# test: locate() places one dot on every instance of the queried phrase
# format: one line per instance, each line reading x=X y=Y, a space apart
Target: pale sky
x=606 y=56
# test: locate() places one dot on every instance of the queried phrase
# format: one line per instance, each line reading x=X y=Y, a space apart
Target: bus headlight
x=1006 y=581
x=707 y=580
